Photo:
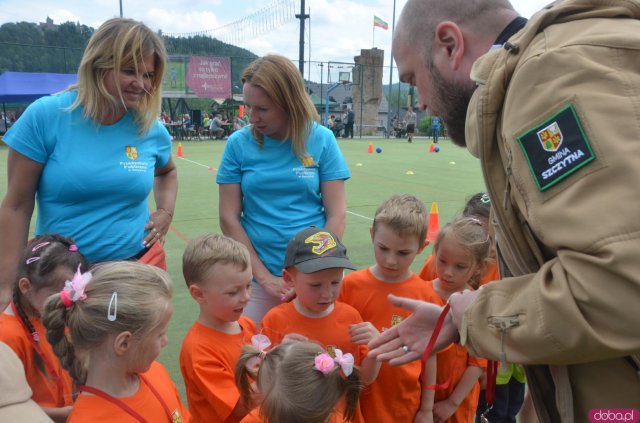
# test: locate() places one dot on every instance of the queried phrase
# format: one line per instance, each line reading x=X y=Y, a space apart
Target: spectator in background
x=283 y=164
x=108 y=119
x=410 y=123
x=349 y=122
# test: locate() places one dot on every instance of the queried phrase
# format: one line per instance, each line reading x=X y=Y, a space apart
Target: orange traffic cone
x=432 y=149
x=434 y=226
x=180 y=152
x=370 y=150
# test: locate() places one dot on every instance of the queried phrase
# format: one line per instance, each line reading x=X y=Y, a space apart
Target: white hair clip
x=112 y=312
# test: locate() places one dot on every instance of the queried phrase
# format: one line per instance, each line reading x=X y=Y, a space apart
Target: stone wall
x=367 y=89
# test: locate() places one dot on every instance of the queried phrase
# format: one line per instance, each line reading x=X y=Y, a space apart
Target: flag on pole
x=380 y=23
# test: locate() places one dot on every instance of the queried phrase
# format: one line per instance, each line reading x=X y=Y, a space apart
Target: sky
x=338 y=29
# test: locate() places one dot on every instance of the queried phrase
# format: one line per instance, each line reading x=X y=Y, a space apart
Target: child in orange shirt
x=315 y=260
x=301 y=382
x=398 y=235
x=46 y=263
x=107 y=327
x=478 y=206
x=461 y=251
x=217 y=270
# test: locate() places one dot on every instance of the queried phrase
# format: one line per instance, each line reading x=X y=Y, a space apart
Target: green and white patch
x=556 y=148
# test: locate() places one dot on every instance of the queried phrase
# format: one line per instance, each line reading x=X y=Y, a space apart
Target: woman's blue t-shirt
x=95 y=179
x=280 y=195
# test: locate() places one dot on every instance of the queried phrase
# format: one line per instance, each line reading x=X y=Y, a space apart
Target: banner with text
x=209 y=77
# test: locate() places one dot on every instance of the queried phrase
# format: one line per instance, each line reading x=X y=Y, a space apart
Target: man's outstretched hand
x=413 y=332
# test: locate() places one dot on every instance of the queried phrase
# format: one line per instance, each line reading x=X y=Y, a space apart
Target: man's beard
x=452 y=100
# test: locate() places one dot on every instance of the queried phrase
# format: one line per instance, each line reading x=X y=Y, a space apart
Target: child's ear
x=288 y=278
x=371 y=233
x=425 y=243
x=122 y=342
x=196 y=293
x=24 y=285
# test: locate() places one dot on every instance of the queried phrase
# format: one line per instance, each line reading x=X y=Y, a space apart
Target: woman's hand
x=158 y=226
x=274 y=285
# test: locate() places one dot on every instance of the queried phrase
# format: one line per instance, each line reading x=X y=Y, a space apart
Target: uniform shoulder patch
x=556 y=148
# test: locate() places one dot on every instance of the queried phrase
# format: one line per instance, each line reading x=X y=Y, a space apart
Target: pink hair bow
x=324 y=363
x=260 y=342
x=74 y=289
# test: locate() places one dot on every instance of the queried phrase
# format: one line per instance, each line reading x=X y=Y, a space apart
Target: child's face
x=225 y=292
x=455 y=265
x=316 y=291
x=394 y=252
x=38 y=297
x=147 y=349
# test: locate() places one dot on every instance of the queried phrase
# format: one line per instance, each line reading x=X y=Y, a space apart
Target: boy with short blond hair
x=398 y=234
x=217 y=270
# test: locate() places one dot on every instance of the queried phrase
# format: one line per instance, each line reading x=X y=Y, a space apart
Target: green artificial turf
x=448 y=177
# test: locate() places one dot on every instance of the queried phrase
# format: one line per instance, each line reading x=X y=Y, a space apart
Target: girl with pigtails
x=46 y=263
x=298 y=381
x=107 y=328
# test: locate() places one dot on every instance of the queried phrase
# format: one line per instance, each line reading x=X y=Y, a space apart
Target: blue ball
x=437 y=149
x=378 y=149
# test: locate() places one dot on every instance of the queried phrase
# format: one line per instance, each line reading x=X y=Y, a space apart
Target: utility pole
x=120 y=8
x=393 y=28
x=302 y=16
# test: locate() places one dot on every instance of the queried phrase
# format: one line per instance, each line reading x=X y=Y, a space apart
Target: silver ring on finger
x=405 y=348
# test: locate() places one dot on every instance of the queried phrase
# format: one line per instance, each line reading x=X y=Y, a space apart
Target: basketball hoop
x=344 y=77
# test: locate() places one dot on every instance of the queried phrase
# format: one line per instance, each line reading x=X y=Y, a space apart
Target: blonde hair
x=291 y=389
x=472 y=235
x=281 y=81
x=405 y=215
x=117 y=44
x=143 y=292
x=205 y=251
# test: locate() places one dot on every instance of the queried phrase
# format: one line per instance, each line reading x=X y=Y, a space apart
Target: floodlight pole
x=393 y=28
x=120 y=8
x=302 y=16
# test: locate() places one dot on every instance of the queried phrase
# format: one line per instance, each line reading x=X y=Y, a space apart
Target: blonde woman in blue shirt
x=282 y=173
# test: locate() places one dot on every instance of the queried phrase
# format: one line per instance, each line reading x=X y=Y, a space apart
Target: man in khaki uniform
x=553 y=114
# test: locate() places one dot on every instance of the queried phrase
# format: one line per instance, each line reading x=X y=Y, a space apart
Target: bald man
x=552 y=110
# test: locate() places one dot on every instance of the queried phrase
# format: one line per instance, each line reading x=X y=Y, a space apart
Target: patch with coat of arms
x=556 y=148
x=131 y=152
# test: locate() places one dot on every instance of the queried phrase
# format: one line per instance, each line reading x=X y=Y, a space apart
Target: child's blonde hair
x=143 y=295
x=205 y=251
x=405 y=215
x=472 y=235
x=291 y=389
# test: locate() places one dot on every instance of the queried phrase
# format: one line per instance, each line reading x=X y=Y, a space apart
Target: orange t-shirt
x=452 y=363
x=207 y=361
x=254 y=417
x=331 y=331
x=428 y=271
x=44 y=386
x=396 y=393
x=94 y=409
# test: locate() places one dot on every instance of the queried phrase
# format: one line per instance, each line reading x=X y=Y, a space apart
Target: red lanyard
x=492 y=373
x=34 y=340
x=122 y=405
x=427 y=352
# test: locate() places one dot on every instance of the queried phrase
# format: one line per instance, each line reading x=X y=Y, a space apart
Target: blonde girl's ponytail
x=55 y=320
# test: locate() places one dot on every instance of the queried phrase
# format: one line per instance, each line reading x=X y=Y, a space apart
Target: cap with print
x=314 y=249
